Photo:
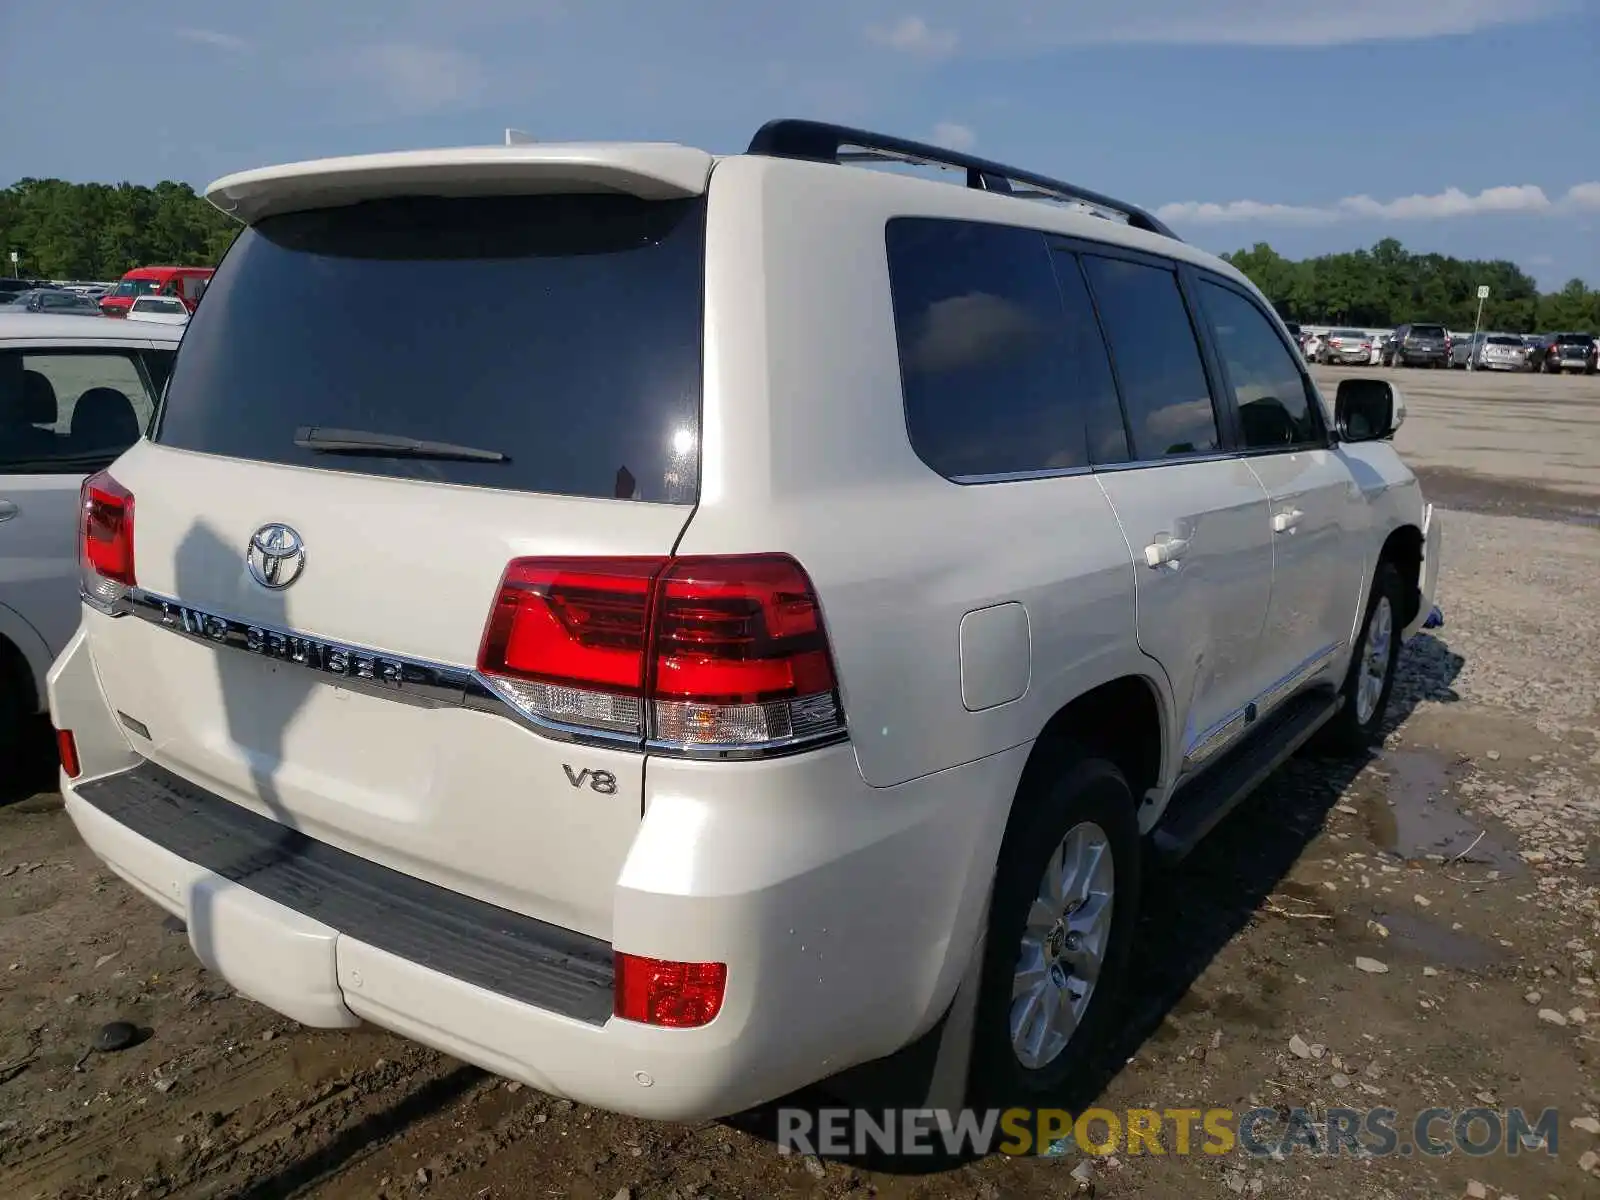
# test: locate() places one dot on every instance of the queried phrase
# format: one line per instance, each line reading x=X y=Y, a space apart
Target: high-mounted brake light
x=715 y=654
x=105 y=540
x=675 y=995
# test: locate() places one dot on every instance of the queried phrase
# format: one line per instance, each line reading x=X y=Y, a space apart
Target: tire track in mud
x=254 y=1117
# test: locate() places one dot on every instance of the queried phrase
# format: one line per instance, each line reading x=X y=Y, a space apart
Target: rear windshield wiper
x=387 y=445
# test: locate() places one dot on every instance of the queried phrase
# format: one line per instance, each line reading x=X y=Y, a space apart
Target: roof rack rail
x=817 y=141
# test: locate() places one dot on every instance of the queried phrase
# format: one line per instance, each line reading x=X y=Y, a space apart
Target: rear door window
x=1157 y=359
x=1003 y=369
x=70 y=410
x=563 y=333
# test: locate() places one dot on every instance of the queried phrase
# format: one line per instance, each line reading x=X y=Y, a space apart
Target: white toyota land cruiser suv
x=761 y=622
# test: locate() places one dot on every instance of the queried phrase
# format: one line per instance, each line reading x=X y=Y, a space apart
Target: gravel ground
x=1415 y=929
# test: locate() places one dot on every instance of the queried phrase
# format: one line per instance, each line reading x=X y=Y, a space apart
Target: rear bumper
x=846 y=916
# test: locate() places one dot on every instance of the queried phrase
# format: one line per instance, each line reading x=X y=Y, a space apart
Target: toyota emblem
x=276 y=556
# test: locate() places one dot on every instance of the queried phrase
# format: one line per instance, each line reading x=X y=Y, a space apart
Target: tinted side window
x=158 y=365
x=1274 y=405
x=69 y=410
x=1164 y=388
x=997 y=374
x=1102 y=410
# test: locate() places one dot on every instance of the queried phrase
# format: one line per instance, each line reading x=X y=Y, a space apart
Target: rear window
x=1505 y=341
x=1427 y=331
x=563 y=332
x=1574 y=339
x=1348 y=334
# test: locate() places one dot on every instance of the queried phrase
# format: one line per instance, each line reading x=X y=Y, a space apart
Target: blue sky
x=1470 y=127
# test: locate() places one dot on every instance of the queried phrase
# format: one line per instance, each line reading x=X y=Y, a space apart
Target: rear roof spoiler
x=649 y=170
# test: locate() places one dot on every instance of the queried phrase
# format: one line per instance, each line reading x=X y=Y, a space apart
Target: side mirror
x=1367 y=410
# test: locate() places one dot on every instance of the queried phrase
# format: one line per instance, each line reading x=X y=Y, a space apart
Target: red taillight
x=672 y=994
x=105 y=538
x=739 y=631
x=67 y=748
x=726 y=652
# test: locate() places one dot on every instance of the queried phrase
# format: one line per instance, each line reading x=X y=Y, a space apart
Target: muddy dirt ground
x=1463 y=857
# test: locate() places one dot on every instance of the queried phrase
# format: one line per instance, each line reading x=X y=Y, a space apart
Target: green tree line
x=1388 y=286
x=62 y=230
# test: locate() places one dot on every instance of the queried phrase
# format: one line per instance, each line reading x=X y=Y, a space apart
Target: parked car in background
x=1567 y=352
x=1499 y=352
x=74 y=394
x=1461 y=347
x=10 y=286
x=1347 y=346
x=186 y=283
x=166 y=310
x=54 y=300
x=489 y=724
x=1418 y=345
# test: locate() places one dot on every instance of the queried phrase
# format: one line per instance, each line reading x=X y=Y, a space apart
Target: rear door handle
x=1285 y=521
x=7 y=510
x=1164 y=550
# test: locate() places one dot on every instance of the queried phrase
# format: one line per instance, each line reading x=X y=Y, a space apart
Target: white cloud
x=214 y=38
x=914 y=36
x=1452 y=202
x=1584 y=195
x=1021 y=26
x=1196 y=212
x=417 y=79
x=954 y=136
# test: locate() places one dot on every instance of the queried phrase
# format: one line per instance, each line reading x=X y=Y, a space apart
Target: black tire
x=1347 y=732
x=1074 y=789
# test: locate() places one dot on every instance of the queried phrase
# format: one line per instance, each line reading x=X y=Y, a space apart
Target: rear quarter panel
x=805 y=450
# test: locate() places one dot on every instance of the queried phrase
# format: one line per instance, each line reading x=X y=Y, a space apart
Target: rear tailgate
x=554 y=344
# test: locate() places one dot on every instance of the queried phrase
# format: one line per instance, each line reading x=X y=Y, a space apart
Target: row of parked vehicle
x=1423 y=344
x=166 y=295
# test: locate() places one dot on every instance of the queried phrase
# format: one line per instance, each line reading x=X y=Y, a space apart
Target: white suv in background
x=74 y=394
x=752 y=629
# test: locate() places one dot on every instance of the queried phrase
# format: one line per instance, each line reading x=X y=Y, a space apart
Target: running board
x=1200 y=805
